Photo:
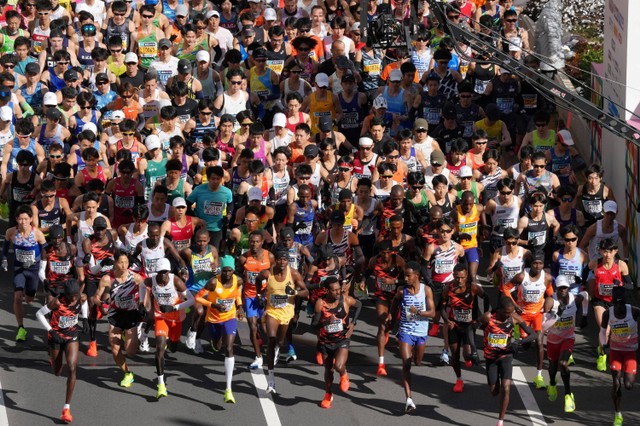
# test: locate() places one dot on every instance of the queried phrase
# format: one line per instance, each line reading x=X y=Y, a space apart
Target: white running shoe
x=191 y=339
x=444 y=357
x=144 y=343
x=257 y=363
x=271 y=387
x=198 y=349
x=276 y=356
x=409 y=406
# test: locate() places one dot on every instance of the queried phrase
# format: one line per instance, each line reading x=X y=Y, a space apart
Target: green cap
x=227 y=262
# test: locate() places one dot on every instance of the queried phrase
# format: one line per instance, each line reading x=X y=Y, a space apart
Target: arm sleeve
x=41 y=317
x=5 y=249
x=356 y=313
x=43 y=267
x=202 y=298
x=186 y=303
x=531 y=335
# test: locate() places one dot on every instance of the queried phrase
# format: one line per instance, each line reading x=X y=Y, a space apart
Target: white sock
x=539 y=372
x=500 y=422
x=84 y=309
x=409 y=400
x=228 y=369
x=67 y=407
x=618 y=413
x=271 y=375
x=381 y=360
x=161 y=380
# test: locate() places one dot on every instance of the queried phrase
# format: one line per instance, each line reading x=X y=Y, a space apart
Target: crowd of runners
x=190 y=164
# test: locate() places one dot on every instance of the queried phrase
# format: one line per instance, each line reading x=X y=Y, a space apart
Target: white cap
x=562 y=281
x=565 y=138
x=130 y=57
x=182 y=10
x=380 y=102
x=254 y=194
x=255 y=1
x=179 y=202
x=395 y=75
x=90 y=126
x=6 y=114
x=117 y=115
x=163 y=265
x=322 y=80
x=203 y=56
x=270 y=14
x=355 y=27
x=50 y=99
x=365 y=141
x=279 y=119
x=465 y=171
x=610 y=206
x=212 y=13
x=152 y=142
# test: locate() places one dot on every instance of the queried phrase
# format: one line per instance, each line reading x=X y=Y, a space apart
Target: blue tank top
x=352 y=117
x=80 y=164
x=103 y=100
x=571 y=268
x=411 y=323
x=35 y=99
x=395 y=104
x=27 y=251
x=168 y=12
x=13 y=165
x=80 y=123
x=306 y=216
x=56 y=83
x=84 y=56
x=47 y=141
x=200 y=130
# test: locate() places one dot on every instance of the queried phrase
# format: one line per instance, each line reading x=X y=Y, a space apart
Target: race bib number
x=124 y=202
x=334 y=327
x=510 y=271
x=213 y=208
x=164 y=299
x=469 y=228
x=592 y=207
x=60 y=268
x=443 y=266
x=605 y=289
x=26 y=256
x=412 y=316
x=276 y=65
x=432 y=115
x=148 y=49
x=201 y=265
x=621 y=330
x=462 y=315
x=387 y=288
x=505 y=105
x=127 y=303
x=372 y=68
x=150 y=264
x=537 y=238
x=564 y=323
x=67 y=322
x=480 y=86
x=226 y=304
x=530 y=101
x=181 y=244
x=531 y=296
x=279 y=301
x=49 y=223
x=251 y=277
x=498 y=340
x=350 y=120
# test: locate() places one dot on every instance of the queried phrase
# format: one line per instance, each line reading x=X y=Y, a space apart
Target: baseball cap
x=212 y=13
x=182 y=10
x=179 y=202
x=449 y=112
x=130 y=57
x=91 y=127
x=465 y=171
x=337 y=216
x=365 y=141
x=260 y=53
x=165 y=42
x=100 y=223
x=565 y=138
x=322 y=80
x=437 y=158
x=50 y=99
x=610 y=206
x=270 y=14
x=6 y=114
x=345 y=194
x=279 y=120
x=311 y=151
x=152 y=142
x=203 y=56
x=395 y=75
x=325 y=124
x=102 y=78
x=562 y=281
x=117 y=115
x=227 y=261
x=70 y=75
x=255 y=194
x=355 y=27
x=286 y=233
x=184 y=66
x=32 y=68
x=53 y=114
x=504 y=71
x=163 y=265
x=248 y=31
x=348 y=77
x=56 y=231
x=342 y=62
x=421 y=123
x=380 y=102
x=281 y=252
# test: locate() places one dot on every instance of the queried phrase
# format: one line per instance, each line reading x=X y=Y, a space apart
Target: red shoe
x=260 y=342
x=468 y=363
x=326 y=402
x=66 y=416
x=459 y=386
x=435 y=330
x=344 y=383
x=382 y=370
x=386 y=338
x=319 y=359
x=93 y=349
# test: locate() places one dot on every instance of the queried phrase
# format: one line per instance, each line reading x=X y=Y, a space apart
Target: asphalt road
x=34 y=396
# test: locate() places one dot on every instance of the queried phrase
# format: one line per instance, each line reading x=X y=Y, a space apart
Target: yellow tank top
x=468 y=225
x=540 y=144
x=494 y=131
x=318 y=109
x=279 y=304
x=227 y=297
x=348 y=218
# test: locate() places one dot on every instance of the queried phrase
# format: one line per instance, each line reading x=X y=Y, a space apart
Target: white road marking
x=530 y=404
x=267 y=404
x=4 y=420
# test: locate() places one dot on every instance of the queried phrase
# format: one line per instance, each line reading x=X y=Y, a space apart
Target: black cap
x=260 y=53
x=337 y=216
x=449 y=111
x=102 y=77
x=71 y=287
x=538 y=255
x=70 y=75
x=53 y=114
x=248 y=31
x=345 y=194
x=311 y=151
x=281 y=252
x=56 y=231
x=256 y=129
x=32 y=68
x=325 y=252
x=348 y=77
x=286 y=233
x=99 y=223
x=184 y=66
x=325 y=124
x=617 y=294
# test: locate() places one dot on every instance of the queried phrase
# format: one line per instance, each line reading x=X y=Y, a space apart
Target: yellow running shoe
x=601 y=363
x=228 y=397
x=571 y=361
x=22 y=334
x=162 y=391
x=569 y=403
x=552 y=393
x=617 y=420
x=128 y=380
x=539 y=382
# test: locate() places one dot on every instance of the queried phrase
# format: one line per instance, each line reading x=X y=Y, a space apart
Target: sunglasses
x=147 y=16
x=417 y=187
x=119 y=14
x=235 y=83
x=100 y=83
x=296 y=71
x=126 y=96
x=206 y=112
x=386 y=176
x=567 y=199
x=48 y=196
x=541 y=124
x=539 y=166
x=455 y=17
x=304 y=178
x=128 y=133
x=55 y=155
x=446 y=231
x=421 y=130
x=63 y=63
x=392 y=157
x=422 y=39
x=571 y=240
x=10 y=66
x=505 y=193
x=116 y=50
x=511 y=20
x=344 y=169
x=481 y=143
x=86 y=107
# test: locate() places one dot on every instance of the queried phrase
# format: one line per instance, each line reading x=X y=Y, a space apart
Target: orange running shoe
x=93 y=349
x=319 y=359
x=459 y=386
x=386 y=338
x=326 y=402
x=468 y=363
x=344 y=383
x=382 y=370
x=66 y=416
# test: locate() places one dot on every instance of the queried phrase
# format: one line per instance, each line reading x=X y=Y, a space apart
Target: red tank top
x=291 y=126
x=604 y=281
x=59 y=268
x=64 y=320
x=87 y=177
x=181 y=236
x=124 y=199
